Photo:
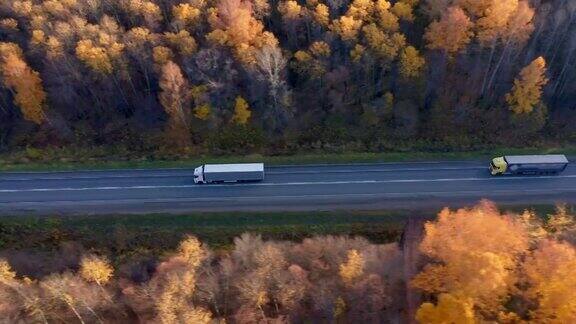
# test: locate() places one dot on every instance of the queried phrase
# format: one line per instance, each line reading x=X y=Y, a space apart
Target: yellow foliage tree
x=290 y=10
x=320 y=49
x=347 y=28
x=307 y=63
x=174 y=284
x=202 y=111
x=6 y=272
x=386 y=46
x=94 y=56
x=22 y=8
x=55 y=48
x=302 y=56
x=353 y=268
x=9 y=49
x=561 y=221
x=339 y=308
x=411 y=62
x=197 y=92
x=173 y=290
x=551 y=271
x=475 y=8
x=137 y=38
x=162 y=55
x=191 y=250
x=322 y=14
x=403 y=10
x=384 y=18
x=242 y=111
x=451 y=33
x=26 y=84
x=96 y=269
x=533 y=225
x=38 y=38
x=196 y=315
x=450 y=310
x=527 y=90
x=382 y=6
x=185 y=15
x=357 y=52
x=148 y=10
x=182 y=41
x=389 y=99
x=361 y=9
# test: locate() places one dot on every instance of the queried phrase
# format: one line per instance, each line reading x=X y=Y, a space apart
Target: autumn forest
x=473 y=265
x=240 y=76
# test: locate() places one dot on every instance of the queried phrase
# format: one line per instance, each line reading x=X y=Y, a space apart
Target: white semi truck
x=528 y=164
x=220 y=173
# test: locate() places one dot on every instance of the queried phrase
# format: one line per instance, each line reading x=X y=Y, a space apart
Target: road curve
x=313 y=187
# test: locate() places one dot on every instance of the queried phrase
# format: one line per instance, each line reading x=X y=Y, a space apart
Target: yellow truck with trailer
x=528 y=164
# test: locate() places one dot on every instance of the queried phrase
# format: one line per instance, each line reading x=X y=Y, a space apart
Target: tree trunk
x=498 y=65
x=411 y=240
x=492 y=51
x=75 y=312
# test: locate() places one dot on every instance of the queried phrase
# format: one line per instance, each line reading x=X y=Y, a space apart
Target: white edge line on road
x=239 y=198
x=276 y=184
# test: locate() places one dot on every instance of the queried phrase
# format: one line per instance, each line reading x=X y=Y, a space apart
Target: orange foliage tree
x=235 y=26
x=450 y=309
x=475 y=252
x=527 y=90
x=24 y=82
x=174 y=98
x=550 y=273
x=451 y=33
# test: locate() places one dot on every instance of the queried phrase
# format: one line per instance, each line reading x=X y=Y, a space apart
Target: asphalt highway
x=313 y=187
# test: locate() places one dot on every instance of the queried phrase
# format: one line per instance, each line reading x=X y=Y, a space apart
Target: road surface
x=314 y=187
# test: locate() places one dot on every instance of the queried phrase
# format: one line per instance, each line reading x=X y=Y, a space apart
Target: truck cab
x=498 y=166
x=199 y=175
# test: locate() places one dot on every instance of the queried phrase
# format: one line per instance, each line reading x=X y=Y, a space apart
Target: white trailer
x=219 y=173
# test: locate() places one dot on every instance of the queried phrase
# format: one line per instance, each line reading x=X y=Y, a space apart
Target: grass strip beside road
x=157 y=233
x=65 y=160
x=125 y=236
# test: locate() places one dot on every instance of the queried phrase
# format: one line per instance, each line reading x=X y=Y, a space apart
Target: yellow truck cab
x=528 y=164
x=498 y=166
